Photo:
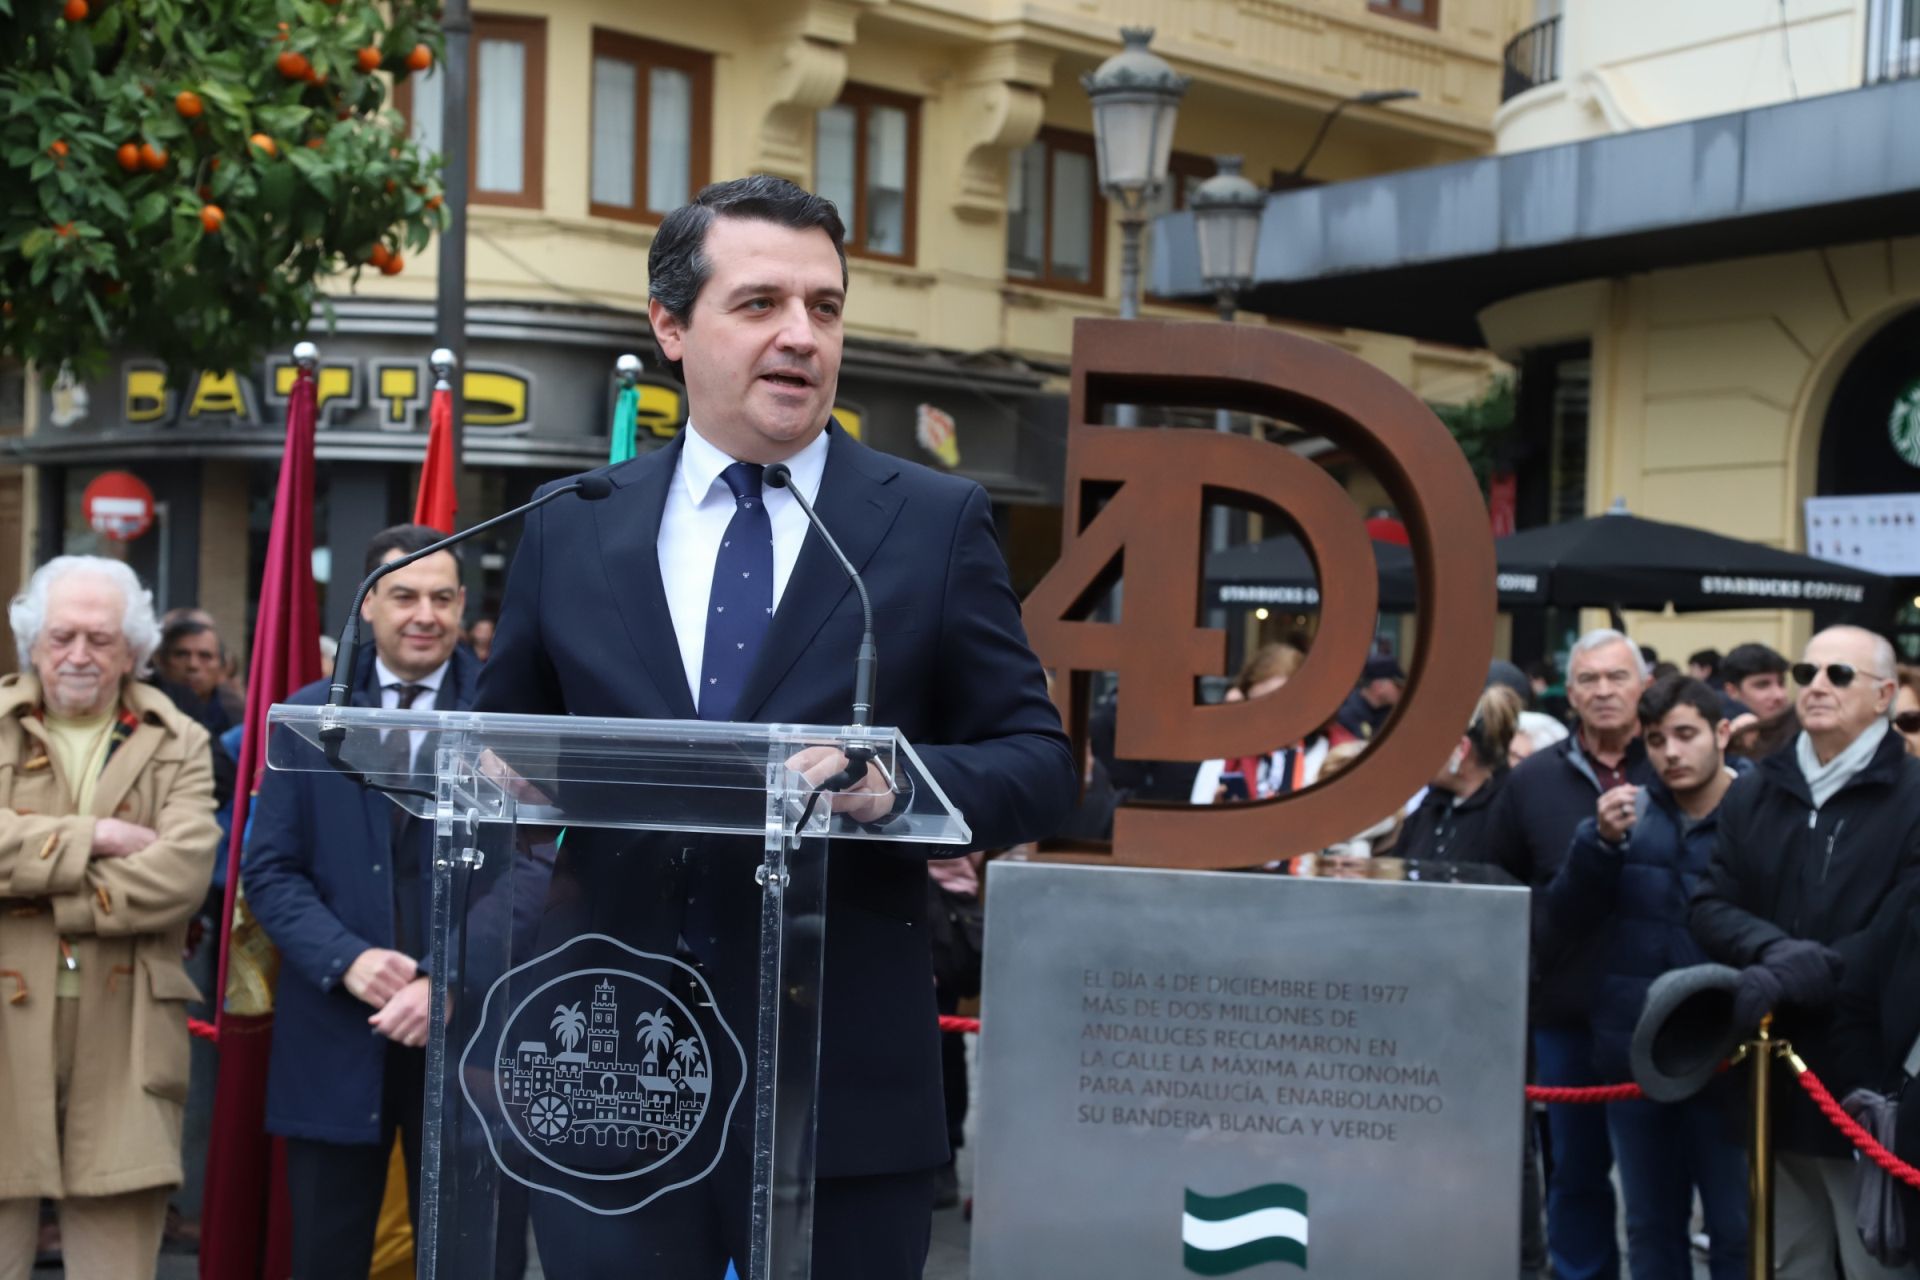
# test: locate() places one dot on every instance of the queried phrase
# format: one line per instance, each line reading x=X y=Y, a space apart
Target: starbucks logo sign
x=1903 y=424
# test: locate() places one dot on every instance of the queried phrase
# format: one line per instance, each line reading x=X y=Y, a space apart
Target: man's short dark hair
x=677 y=264
x=406 y=539
x=1708 y=658
x=185 y=629
x=1668 y=692
x=1748 y=660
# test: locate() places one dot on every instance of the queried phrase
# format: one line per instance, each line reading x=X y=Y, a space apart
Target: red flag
x=436 y=504
x=244 y=1233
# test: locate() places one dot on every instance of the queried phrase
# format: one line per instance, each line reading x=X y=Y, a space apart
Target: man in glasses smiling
x=1810 y=843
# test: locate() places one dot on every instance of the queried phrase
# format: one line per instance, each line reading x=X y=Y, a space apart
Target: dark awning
x=1627 y=562
x=1278 y=572
x=1421 y=253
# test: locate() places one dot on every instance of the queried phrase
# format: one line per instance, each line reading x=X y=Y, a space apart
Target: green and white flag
x=1224 y=1234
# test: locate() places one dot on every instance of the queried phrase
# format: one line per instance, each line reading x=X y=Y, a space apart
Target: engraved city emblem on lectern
x=603 y=1074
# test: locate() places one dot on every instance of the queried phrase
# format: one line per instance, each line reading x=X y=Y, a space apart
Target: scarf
x=1825 y=779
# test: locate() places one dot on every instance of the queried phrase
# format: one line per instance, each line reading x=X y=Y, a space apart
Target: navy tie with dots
x=740 y=607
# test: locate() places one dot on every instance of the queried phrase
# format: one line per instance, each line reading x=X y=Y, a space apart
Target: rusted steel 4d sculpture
x=1148 y=530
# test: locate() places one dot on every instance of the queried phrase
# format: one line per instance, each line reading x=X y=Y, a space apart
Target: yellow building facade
x=954 y=134
x=1713 y=385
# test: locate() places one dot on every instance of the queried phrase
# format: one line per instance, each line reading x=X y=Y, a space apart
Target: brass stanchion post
x=1760 y=1157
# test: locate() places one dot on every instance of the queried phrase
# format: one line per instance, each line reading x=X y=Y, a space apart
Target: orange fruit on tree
x=314 y=78
x=379 y=256
x=64 y=229
x=419 y=58
x=264 y=143
x=188 y=104
x=292 y=65
x=393 y=266
x=129 y=157
x=368 y=59
x=152 y=158
x=211 y=218
x=282 y=37
x=59 y=147
x=76 y=11
x=434 y=203
x=316 y=143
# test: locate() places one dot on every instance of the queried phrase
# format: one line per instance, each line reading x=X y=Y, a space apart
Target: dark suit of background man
x=339 y=877
x=612 y=608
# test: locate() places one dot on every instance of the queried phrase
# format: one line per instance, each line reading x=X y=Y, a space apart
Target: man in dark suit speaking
x=692 y=591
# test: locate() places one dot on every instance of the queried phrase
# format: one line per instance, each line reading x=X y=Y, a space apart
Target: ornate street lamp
x=1226 y=218
x=1136 y=95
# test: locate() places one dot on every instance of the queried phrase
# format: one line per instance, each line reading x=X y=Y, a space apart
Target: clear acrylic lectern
x=628 y=927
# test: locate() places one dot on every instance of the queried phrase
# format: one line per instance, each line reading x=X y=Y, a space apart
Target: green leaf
x=276 y=189
x=36 y=242
x=152 y=208
x=99 y=316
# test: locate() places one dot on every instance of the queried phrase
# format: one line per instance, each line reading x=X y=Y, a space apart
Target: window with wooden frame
x=866 y=157
x=652 y=126
x=506 y=114
x=1056 y=217
x=1425 y=12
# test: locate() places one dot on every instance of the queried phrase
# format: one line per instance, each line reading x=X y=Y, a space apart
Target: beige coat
x=126 y=920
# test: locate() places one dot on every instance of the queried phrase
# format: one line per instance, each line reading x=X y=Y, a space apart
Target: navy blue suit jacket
x=585 y=628
x=318 y=872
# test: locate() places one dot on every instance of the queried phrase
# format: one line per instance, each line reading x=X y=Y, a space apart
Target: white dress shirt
x=390 y=699
x=699 y=508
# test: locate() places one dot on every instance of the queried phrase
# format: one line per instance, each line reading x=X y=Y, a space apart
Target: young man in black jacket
x=1626 y=880
x=1810 y=845
x=1532 y=825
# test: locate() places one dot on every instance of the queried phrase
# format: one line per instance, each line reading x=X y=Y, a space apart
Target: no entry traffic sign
x=118 y=505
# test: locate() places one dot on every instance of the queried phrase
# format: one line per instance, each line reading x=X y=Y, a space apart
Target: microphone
x=780 y=477
x=591 y=488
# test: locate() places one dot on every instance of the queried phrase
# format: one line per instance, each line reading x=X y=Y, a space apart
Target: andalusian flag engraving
x=1224 y=1234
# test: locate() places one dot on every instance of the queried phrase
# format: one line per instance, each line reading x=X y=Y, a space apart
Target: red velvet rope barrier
x=1597 y=1093
x=1846 y=1124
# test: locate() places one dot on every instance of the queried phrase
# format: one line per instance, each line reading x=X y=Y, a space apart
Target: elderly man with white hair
x=107 y=839
x=1810 y=844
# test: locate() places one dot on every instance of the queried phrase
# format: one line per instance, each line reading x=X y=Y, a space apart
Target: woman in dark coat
x=1450 y=824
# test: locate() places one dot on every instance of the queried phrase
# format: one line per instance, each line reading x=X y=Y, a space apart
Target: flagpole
x=450 y=298
x=624 y=438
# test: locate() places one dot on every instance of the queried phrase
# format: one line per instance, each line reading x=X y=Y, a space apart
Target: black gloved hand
x=1809 y=972
x=1791 y=971
x=1755 y=996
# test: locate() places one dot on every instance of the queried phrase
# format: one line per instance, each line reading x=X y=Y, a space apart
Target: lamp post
x=1226 y=219
x=1371 y=98
x=1136 y=95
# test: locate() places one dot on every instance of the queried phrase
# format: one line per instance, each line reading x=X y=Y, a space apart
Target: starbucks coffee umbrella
x=1278 y=573
x=1623 y=561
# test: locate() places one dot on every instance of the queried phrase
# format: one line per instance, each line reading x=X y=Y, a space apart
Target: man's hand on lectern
x=868 y=800
x=497 y=771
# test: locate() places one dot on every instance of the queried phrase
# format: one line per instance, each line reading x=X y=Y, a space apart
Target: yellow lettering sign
x=494 y=399
x=332 y=382
x=217 y=393
x=850 y=419
x=661 y=409
x=399 y=386
x=146 y=395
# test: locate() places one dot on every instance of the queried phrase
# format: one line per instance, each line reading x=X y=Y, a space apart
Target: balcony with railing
x=1893 y=40
x=1532 y=58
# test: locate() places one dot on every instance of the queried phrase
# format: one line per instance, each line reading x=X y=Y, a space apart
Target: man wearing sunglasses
x=1810 y=843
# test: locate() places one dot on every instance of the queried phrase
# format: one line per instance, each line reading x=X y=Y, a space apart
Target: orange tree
x=179 y=176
